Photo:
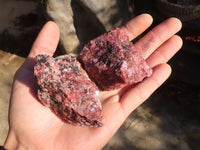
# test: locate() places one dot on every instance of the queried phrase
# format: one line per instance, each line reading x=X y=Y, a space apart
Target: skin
x=33 y=126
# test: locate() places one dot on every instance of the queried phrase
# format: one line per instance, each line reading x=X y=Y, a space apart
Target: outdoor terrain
x=169 y=119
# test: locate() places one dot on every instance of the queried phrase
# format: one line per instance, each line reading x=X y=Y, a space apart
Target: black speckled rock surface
x=112 y=61
x=66 y=89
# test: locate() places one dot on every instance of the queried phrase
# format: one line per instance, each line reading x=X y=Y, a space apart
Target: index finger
x=137 y=25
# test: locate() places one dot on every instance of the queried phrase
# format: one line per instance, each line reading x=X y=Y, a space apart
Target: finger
x=165 y=51
x=159 y=34
x=140 y=92
x=161 y=55
x=46 y=41
x=137 y=25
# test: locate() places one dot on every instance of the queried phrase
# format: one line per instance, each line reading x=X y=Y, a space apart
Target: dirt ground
x=169 y=119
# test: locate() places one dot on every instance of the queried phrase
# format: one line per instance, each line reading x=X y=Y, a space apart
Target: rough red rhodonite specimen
x=112 y=61
x=67 y=90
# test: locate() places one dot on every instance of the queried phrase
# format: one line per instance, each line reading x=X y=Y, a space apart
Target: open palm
x=34 y=126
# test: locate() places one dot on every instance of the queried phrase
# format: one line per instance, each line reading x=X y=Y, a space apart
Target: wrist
x=11 y=142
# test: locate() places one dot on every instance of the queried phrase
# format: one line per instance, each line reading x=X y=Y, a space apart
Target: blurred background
x=170 y=118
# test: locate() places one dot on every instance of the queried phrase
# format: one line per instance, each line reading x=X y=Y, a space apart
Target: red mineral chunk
x=67 y=90
x=112 y=61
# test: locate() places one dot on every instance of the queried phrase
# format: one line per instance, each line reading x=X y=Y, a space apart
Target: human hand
x=34 y=126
